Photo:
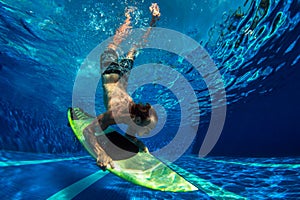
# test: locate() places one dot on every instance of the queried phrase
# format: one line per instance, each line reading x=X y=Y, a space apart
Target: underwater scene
x=209 y=88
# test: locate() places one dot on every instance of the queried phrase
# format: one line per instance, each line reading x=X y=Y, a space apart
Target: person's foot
x=154 y=9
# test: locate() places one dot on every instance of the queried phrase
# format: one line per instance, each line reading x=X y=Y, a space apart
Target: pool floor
x=47 y=176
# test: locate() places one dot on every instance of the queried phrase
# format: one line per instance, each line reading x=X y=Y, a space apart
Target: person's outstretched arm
x=100 y=124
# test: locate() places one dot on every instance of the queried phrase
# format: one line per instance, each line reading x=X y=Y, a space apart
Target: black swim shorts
x=110 y=64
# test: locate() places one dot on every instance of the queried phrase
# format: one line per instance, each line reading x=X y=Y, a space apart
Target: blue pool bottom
x=43 y=176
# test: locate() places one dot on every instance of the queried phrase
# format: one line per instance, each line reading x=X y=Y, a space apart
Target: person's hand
x=137 y=142
x=103 y=160
x=145 y=150
x=142 y=146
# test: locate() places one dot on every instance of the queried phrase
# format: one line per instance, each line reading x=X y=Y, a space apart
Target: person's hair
x=141 y=110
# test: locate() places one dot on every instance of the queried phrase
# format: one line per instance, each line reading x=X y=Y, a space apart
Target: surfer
x=140 y=118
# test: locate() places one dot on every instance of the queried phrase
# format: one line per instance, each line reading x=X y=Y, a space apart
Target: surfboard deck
x=136 y=167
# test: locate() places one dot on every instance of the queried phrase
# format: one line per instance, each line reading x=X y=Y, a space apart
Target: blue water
x=43 y=44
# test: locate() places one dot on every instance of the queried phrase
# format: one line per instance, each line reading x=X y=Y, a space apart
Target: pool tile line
x=35 y=162
x=73 y=190
x=279 y=165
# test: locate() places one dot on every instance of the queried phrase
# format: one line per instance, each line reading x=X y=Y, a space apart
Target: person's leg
x=109 y=56
x=154 y=9
x=123 y=31
x=127 y=63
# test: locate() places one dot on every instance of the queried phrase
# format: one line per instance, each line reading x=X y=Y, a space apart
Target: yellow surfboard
x=136 y=167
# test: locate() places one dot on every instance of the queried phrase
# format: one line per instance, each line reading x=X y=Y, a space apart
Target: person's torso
x=115 y=94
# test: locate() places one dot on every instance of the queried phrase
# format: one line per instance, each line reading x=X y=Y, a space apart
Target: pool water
x=254 y=46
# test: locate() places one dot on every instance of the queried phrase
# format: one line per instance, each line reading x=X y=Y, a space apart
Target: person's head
x=144 y=117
